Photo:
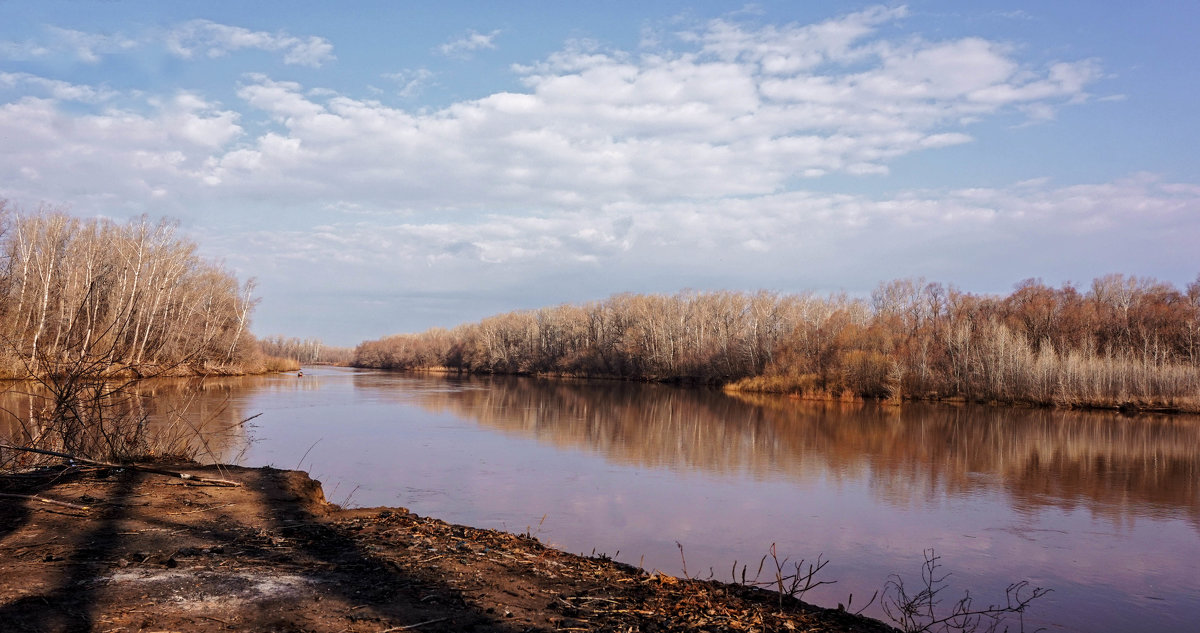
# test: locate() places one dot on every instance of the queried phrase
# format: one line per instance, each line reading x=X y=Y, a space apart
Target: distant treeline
x=307 y=351
x=131 y=298
x=1124 y=342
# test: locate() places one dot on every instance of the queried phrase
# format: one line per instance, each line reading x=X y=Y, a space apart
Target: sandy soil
x=153 y=553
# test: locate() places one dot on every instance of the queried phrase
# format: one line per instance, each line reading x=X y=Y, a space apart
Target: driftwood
x=137 y=467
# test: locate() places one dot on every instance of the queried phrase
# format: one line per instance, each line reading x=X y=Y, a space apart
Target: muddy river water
x=1102 y=508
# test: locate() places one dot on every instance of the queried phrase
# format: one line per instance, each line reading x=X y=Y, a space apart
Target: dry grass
x=279 y=364
x=1134 y=349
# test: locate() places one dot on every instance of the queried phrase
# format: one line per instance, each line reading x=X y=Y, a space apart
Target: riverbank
x=267 y=365
x=133 y=551
x=769 y=387
x=804 y=388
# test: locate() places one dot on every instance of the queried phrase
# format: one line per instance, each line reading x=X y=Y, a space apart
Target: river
x=1102 y=508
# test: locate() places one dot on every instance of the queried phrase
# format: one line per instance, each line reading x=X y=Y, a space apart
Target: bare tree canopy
x=1127 y=342
x=308 y=351
x=134 y=295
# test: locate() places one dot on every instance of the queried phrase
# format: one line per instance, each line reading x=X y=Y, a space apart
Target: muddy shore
x=144 y=552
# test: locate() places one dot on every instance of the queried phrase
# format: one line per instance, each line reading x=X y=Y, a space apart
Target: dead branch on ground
x=137 y=467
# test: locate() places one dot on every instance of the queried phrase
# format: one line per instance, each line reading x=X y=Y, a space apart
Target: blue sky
x=381 y=167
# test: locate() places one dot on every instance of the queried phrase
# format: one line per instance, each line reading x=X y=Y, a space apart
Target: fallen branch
x=145 y=469
x=65 y=504
x=413 y=626
x=208 y=509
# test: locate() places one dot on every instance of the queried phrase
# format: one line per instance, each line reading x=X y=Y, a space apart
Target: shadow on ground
x=151 y=553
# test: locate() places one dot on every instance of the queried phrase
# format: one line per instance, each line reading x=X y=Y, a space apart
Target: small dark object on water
x=299 y=373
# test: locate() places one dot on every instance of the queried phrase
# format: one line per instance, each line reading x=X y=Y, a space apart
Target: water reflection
x=1113 y=464
x=177 y=416
x=1103 y=508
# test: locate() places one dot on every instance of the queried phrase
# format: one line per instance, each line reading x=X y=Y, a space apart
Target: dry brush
x=1126 y=342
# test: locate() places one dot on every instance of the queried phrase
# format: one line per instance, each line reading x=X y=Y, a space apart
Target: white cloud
x=788 y=241
x=464 y=46
x=411 y=81
x=196 y=37
x=1071 y=217
x=112 y=158
x=602 y=158
x=736 y=111
x=60 y=90
x=89 y=47
x=85 y=47
x=25 y=50
x=217 y=40
x=794 y=48
x=681 y=164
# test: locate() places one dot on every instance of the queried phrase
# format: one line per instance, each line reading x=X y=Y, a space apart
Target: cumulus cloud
x=744 y=111
x=113 y=158
x=212 y=39
x=793 y=48
x=89 y=47
x=684 y=161
x=469 y=43
x=791 y=241
x=410 y=81
x=784 y=224
x=59 y=90
x=196 y=38
x=86 y=47
x=735 y=110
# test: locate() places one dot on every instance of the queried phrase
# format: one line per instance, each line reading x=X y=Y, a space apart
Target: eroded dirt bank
x=151 y=553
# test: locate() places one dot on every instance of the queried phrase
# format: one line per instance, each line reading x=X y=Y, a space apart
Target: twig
x=684 y=559
x=314 y=445
x=200 y=510
x=65 y=504
x=146 y=469
x=32 y=545
x=592 y=599
x=413 y=626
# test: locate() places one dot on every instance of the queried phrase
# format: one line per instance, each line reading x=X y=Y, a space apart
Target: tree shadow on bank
x=68 y=578
x=201 y=562
x=381 y=590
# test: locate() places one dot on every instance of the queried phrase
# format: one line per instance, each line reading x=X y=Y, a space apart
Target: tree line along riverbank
x=1122 y=342
x=135 y=295
x=124 y=299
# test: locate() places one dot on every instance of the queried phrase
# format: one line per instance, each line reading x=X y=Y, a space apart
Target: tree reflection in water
x=1112 y=463
x=1101 y=507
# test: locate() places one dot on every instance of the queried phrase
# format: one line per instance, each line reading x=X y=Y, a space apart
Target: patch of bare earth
x=151 y=553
